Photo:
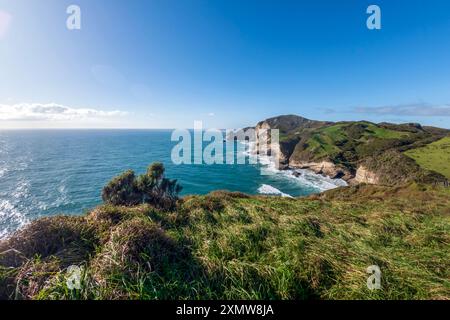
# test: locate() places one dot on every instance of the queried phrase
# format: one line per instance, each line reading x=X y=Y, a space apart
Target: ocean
x=50 y=172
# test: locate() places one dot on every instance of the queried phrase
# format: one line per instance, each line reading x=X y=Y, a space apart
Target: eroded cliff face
x=284 y=150
x=300 y=127
x=326 y=168
x=363 y=175
x=323 y=167
x=273 y=147
x=352 y=151
x=290 y=128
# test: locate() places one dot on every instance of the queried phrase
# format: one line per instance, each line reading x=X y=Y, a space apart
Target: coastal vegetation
x=434 y=156
x=228 y=245
x=151 y=187
x=353 y=145
x=145 y=242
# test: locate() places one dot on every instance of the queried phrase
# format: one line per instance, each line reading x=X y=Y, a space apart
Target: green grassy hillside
x=233 y=246
x=351 y=144
x=348 y=143
x=434 y=156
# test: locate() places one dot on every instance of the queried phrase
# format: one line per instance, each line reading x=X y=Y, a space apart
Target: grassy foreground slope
x=232 y=246
x=434 y=156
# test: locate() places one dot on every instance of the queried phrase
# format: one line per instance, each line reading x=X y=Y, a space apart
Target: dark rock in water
x=338 y=175
x=297 y=174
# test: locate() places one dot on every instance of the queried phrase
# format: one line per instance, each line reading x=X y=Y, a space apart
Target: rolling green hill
x=434 y=156
x=350 y=145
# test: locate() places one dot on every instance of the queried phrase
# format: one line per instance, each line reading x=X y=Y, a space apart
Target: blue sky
x=230 y=63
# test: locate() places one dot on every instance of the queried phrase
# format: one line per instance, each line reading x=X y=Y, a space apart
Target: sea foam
x=268 y=189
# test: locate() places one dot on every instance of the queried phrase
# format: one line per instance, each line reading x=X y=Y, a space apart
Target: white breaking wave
x=63 y=197
x=268 y=189
x=3 y=171
x=303 y=177
x=307 y=178
x=11 y=216
x=315 y=180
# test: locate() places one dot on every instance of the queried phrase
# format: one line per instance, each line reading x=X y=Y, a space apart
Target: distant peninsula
x=361 y=151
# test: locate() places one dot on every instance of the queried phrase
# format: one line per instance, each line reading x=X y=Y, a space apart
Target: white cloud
x=53 y=112
x=211 y=114
x=418 y=109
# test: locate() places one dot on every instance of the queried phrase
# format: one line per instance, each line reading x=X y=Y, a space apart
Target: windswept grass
x=233 y=246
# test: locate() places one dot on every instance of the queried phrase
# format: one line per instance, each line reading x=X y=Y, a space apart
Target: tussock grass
x=232 y=246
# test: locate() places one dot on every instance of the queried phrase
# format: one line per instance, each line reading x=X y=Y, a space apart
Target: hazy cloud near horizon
x=53 y=112
x=416 y=110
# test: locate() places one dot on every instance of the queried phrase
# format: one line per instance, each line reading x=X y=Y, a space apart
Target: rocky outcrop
x=326 y=168
x=273 y=147
x=363 y=175
x=295 y=125
x=358 y=152
x=290 y=128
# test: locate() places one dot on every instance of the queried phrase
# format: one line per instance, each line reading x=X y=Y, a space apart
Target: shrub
x=158 y=190
x=122 y=190
x=152 y=188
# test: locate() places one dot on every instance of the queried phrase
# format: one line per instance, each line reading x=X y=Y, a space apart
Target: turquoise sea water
x=49 y=172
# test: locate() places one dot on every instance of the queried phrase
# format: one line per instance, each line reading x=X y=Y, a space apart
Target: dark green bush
x=152 y=188
x=122 y=190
